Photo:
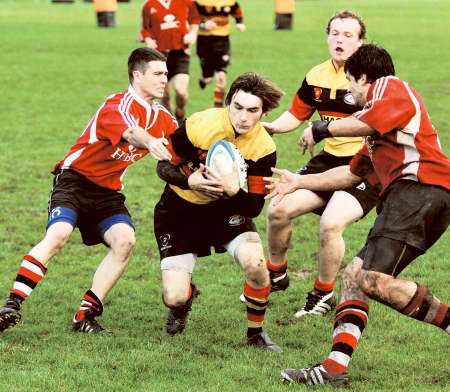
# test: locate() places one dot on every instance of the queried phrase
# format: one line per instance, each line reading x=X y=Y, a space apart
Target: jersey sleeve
x=146 y=26
x=302 y=106
x=180 y=146
x=361 y=165
x=111 y=123
x=236 y=11
x=390 y=107
x=194 y=17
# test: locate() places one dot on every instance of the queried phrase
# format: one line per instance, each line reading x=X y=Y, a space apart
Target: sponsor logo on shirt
x=362 y=186
x=236 y=220
x=165 y=241
x=317 y=93
x=126 y=156
x=349 y=99
x=170 y=22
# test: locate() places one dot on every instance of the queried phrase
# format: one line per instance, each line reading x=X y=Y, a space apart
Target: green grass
x=56 y=67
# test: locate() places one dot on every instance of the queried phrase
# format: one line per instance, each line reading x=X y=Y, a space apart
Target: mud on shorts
x=214 y=54
x=411 y=219
x=182 y=227
x=365 y=193
x=92 y=208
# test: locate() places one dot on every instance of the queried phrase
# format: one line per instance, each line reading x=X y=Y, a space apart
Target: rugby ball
x=222 y=154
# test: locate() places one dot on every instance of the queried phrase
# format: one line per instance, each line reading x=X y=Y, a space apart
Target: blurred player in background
x=213 y=44
x=171 y=26
x=87 y=188
x=403 y=149
x=324 y=90
x=199 y=209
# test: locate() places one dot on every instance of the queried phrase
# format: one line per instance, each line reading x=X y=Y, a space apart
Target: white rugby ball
x=222 y=154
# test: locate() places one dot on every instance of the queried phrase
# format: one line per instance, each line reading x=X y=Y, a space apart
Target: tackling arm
x=138 y=137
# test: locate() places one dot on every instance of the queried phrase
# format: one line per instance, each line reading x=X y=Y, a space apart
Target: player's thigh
x=342 y=210
x=297 y=203
x=58 y=233
x=180 y=83
x=120 y=236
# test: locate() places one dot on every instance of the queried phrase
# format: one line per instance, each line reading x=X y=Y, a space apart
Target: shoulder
x=318 y=70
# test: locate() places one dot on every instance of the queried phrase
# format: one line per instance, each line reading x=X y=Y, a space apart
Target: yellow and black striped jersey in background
x=218 y=11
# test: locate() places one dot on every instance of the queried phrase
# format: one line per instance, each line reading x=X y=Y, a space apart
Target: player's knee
x=278 y=215
x=352 y=272
x=371 y=283
x=124 y=244
x=330 y=227
x=174 y=297
x=255 y=269
x=57 y=238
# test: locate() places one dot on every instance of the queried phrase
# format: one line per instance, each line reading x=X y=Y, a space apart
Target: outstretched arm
x=138 y=137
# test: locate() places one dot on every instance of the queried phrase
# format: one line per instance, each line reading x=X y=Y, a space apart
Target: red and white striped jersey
x=168 y=21
x=101 y=154
x=406 y=144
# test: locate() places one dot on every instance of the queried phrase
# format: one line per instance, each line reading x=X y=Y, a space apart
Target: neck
x=337 y=64
x=147 y=98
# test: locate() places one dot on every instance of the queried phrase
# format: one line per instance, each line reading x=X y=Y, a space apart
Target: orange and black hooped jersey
x=324 y=89
x=192 y=140
x=218 y=11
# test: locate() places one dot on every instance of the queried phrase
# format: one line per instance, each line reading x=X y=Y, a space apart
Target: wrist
x=320 y=130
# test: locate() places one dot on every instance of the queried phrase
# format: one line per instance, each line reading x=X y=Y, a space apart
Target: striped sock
x=424 y=306
x=91 y=303
x=31 y=271
x=323 y=287
x=277 y=271
x=219 y=96
x=257 y=301
x=351 y=319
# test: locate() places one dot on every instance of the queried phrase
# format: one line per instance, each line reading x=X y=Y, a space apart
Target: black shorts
x=365 y=193
x=214 y=54
x=88 y=206
x=177 y=63
x=182 y=227
x=411 y=219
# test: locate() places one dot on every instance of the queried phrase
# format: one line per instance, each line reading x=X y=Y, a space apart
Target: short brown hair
x=139 y=59
x=252 y=83
x=346 y=14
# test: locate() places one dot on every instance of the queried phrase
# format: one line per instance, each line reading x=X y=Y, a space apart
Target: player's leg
x=219 y=89
x=279 y=229
x=178 y=290
x=247 y=250
x=204 y=52
x=342 y=210
x=165 y=100
x=181 y=85
x=219 y=62
x=350 y=320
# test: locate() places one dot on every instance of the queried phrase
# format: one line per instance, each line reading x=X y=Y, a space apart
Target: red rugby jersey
x=167 y=21
x=406 y=144
x=100 y=154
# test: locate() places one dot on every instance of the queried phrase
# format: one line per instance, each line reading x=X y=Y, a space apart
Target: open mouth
x=339 y=50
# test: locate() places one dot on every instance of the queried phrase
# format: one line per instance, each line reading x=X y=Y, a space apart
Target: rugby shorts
x=88 y=206
x=214 y=54
x=177 y=63
x=365 y=193
x=182 y=227
x=412 y=217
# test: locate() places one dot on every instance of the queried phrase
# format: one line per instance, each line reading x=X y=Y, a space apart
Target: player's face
x=343 y=39
x=152 y=82
x=358 y=88
x=245 y=111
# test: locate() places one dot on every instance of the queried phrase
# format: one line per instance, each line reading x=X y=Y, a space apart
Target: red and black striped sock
x=323 y=287
x=219 y=96
x=424 y=306
x=351 y=319
x=30 y=273
x=257 y=301
x=91 y=303
x=277 y=270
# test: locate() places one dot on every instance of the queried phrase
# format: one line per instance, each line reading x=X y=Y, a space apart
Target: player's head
x=346 y=32
x=369 y=63
x=249 y=98
x=147 y=72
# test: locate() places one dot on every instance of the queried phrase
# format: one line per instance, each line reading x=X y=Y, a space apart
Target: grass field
x=56 y=68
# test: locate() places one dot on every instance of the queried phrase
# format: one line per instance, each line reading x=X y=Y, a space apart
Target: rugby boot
x=88 y=324
x=10 y=313
x=317 y=304
x=177 y=317
x=314 y=375
x=202 y=84
x=263 y=341
x=279 y=281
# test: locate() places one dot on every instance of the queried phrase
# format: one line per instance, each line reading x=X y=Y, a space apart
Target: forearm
x=138 y=137
x=350 y=126
x=171 y=174
x=285 y=123
x=334 y=179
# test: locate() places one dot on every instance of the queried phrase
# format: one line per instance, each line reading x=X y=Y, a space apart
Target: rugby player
x=324 y=90
x=403 y=149
x=213 y=43
x=199 y=210
x=87 y=188
x=171 y=26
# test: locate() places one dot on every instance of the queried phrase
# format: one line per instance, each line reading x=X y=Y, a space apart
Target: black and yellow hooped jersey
x=324 y=89
x=192 y=140
x=218 y=11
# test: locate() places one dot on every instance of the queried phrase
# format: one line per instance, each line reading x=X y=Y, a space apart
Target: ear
x=363 y=79
x=136 y=75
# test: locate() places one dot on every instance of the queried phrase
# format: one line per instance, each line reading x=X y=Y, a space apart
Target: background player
x=86 y=188
x=213 y=44
x=324 y=89
x=171 y=26
x=403 y=149
x=200 y=210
